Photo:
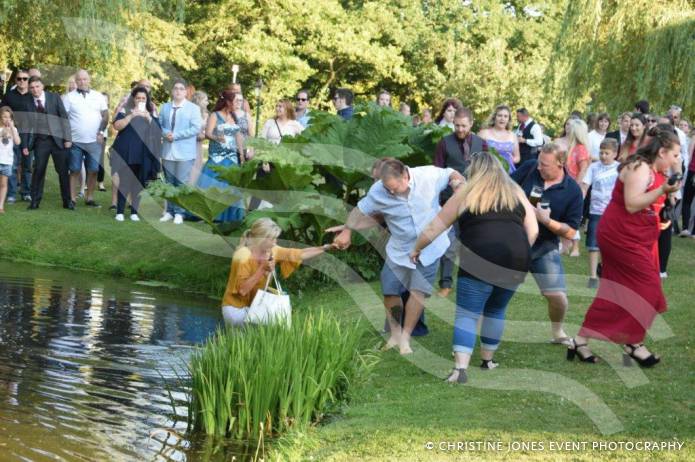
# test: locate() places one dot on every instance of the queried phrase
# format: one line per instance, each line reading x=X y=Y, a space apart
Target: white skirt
x=234 y=316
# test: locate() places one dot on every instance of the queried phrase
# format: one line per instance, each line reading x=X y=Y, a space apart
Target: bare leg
x=3 y=191
x=413 y=311
x=557 y=307
x=91 y=185
x=75 y=183
x=593 y=263
x=114 y=188
x=393 y=304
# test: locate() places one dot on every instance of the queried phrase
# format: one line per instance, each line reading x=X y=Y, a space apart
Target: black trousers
x=45 y=147
x=665 y=247
x=129 y=184
x=688 y=195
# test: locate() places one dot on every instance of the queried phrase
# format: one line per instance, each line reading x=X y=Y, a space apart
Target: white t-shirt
x=595 y=139
x=602 y=179
x=85 y=114
x=7 y=150
x=270 y=130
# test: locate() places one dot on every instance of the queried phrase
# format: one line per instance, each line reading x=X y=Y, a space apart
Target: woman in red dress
x=630 y=295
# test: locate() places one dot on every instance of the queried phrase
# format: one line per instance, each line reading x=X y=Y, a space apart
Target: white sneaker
x=684 y=233
x=120 y=217
x=663 y=275
x=178 y=219
x=134 y=217
x=166 y=217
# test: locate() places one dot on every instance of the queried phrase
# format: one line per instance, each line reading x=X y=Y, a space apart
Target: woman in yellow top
x=253 y=261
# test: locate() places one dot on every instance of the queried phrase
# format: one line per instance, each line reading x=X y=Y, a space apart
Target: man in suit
x=181 y=122
x=623 y=127
x=49 y=135
x=17 y=99
x=455 y=151
x=529 y=134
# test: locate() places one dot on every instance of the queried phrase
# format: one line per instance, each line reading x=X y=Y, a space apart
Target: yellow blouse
x=244 y=266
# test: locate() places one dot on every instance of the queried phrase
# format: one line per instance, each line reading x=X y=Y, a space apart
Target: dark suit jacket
x=615 y=135
x=58 y=123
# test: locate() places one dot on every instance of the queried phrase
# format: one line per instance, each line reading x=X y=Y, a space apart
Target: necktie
x=523 y=126
x=83 y=92
x=173 y=119
x=39 y=106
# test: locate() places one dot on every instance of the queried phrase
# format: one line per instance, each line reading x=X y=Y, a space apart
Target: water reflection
x=88 y=370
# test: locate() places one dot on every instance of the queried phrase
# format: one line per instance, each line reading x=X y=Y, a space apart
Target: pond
x=89 y=367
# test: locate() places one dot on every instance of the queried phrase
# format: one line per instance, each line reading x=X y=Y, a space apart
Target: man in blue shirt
x=559 y=213
x=342 y=100
x=301 y=109
x=408 y=200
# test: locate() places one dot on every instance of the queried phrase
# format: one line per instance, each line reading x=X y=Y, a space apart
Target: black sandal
x=462 y=377
x=488 y=364
x=573 y=351
x=628 y=356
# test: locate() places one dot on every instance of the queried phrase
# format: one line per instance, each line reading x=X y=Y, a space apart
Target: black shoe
x=488 y=364
x=593 y=283
x=70 y=205
x=33 y=206
x=92 y=204
x=649 y=361
x=460 y=378
x=113 y=207
x=573 y=351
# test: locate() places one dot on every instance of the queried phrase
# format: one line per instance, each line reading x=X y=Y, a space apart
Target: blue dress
x=506 y=150
x=226 y=155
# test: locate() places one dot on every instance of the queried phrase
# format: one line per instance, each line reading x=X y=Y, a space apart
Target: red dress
x=629 y=295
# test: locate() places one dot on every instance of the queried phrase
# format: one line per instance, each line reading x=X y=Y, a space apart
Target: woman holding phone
x=136 y=151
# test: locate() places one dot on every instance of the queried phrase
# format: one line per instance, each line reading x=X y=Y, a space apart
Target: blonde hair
x=261 y=229
x=579 y=134
x=488 y=187
x=493 y=116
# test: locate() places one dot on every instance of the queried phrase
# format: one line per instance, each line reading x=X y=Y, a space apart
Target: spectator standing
x=342 y=101
x=445 y=118
x=9 y=138
x=559 y=213
x=301 y=109
x=596 y=136
x=200 y=99
x=89 y=117
x=499 y=136
x=620 y=135
x=383 y=99
x=49 y=135
x=638 y=125
x=283 y=124
x=529 y=134
x=17 y=99
x=426 y=116
x=181 y=123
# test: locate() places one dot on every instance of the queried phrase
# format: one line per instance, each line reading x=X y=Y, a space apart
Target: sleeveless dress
x=506 y=150
x=630 y=294
x=226 y=155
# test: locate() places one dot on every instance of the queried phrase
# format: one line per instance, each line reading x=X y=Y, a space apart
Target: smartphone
x=141 y=106
x=675 y=178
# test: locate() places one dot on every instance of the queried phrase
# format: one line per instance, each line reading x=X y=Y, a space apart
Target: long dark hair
x=630 y=139
x=226 y=97
x=130 y=105
x=661 y=136
x=456 y=103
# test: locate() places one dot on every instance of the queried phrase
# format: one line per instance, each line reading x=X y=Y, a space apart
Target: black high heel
x=573 y=351
x=462 y=377
x=628 y=356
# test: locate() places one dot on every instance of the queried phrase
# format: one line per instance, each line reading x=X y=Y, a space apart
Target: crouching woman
x=253 y=261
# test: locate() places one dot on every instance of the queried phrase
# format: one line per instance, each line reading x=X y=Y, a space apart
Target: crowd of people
x=504 y=202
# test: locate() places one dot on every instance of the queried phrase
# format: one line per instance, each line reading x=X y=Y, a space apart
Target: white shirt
x=602 y=179
x=595 y=139
x=683 y=140
x=270 y=130
x=84 y=112
x=536 y=139
x=7 y=150
x=407 y=217
x=41 y=98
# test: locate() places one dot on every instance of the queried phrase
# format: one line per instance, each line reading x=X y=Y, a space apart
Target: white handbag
x=269 y=307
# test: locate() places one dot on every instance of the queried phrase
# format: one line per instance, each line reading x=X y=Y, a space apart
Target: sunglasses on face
x=653 y=121
x=19 y=79
x=303 y=99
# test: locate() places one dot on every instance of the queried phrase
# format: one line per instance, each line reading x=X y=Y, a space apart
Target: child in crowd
x=9 y=138
x=601 y=177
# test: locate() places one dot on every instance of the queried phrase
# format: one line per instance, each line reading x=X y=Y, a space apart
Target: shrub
x=273 y=377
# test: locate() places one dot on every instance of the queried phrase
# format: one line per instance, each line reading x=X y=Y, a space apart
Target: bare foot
x=444 y=292
x=392 y=343
x=405 y=349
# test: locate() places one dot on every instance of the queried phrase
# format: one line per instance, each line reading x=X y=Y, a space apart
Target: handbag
x=269 y=307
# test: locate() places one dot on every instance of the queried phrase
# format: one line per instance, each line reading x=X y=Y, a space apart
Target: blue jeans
x=473 y=298
x=25 y=180
x=177 y=172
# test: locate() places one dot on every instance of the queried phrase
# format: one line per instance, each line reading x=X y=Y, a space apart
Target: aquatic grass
x=273 y=378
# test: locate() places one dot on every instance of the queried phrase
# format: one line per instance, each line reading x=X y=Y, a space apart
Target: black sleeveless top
x=494 y=247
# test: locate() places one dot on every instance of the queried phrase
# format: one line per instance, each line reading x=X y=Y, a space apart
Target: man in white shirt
x=89 y=116
x=529 y=134
x=675 y=113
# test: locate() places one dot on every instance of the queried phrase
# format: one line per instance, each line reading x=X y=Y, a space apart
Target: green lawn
x=535 y=396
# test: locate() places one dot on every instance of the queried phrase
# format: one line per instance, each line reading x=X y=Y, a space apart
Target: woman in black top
x=136 y=151
x=497 y=228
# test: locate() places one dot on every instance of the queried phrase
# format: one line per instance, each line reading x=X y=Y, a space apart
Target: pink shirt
x=578 y=155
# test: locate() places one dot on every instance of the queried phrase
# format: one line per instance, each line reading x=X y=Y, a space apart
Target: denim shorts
x=90 y=153
x=5 y=170
x=396 y=279
x=591 y=229
x=548 y=272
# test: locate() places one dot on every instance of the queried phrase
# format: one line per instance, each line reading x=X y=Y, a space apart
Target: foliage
x=272 y=378
x=611 y=54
